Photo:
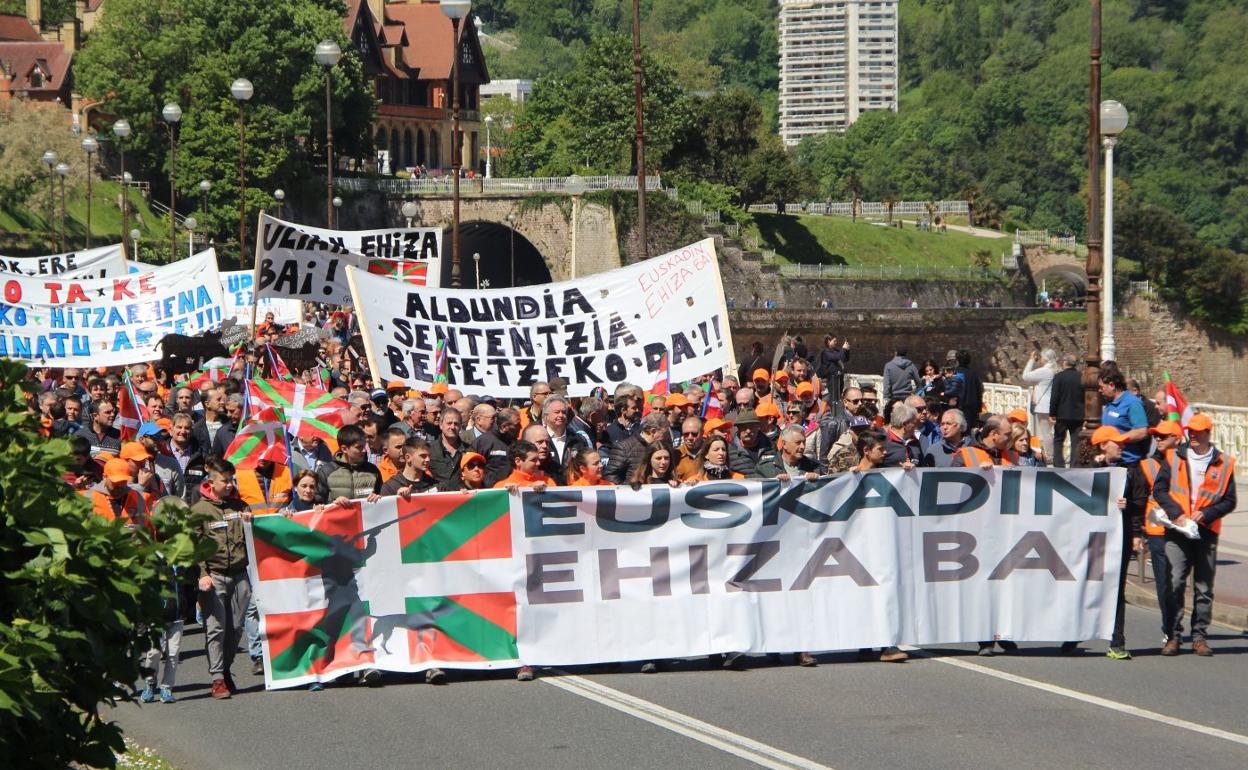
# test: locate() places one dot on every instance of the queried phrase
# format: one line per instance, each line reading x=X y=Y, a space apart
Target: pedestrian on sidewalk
x=1167 y=435
x=1039 y=372
x=1197 y=484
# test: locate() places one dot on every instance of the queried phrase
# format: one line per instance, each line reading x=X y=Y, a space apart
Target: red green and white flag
x=260 y=438
x=1177 y=407
x=311 y=412
x=401 y=585
x=662 y=384
x=439 y=361
x=408 y=271
x=277 y=367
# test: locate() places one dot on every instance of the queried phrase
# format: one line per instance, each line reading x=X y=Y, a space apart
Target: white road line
x=716 y=737
x=1094 y=700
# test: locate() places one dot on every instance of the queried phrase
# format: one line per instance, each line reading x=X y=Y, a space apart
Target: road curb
x=1223 y=614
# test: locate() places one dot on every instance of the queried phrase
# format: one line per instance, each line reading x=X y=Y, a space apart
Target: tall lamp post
x=575 y=186
x=172 y=114
x=1113 y=122
x=337 y=204
x=204 y=187
x=121 y=130
x=641 y=130
x=62 y=171
x=49 y=160
x=489 y=148
x=327 y=55
x=134 y=239
x=189 y=223
x=456 y=10
x=1091 y=372
x=511 y=225
x=241 y=90
x=279 y=195
x=409 y=213
x=89 y=145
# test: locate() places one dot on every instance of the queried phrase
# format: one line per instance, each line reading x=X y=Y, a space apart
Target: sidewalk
x=1230 y=587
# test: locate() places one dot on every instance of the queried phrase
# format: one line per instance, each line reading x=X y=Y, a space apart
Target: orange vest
x=387 y=468
x=1149 y=467
x=521 y=479
x=973 y=457
x=1212 y=488
x=252 y=488
x=133 y=511
x=584 y=482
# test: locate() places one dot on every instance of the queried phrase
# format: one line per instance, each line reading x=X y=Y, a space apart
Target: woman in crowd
x=1028 y=455
x=713 y=461
x=656 y=467
x=304 y=498
x=585 y=469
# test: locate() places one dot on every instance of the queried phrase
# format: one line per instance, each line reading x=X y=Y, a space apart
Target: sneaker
x=985 y=650
x=806 y=660
x=1008 y=646
x=1201 y=648
x=370 y=677
x=734 y=661
x=894 y=655
x=219 y=690
x=1171 y=647
x=316 y=687
x=257 y=666
x=435 y=676
x=649 y=667
x=1070 y=648
x=166 y=694
x=525 y=674
x=149 y=693
x=1118 y=653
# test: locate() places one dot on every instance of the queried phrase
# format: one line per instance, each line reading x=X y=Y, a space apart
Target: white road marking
x=716 y=737
x=1094 y=700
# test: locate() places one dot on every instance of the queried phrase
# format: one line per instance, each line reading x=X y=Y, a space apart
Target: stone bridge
x=1050 y=265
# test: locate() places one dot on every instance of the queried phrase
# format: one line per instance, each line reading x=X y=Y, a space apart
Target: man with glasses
x=482 y=420
x=537 y=396
x=72 y=380
x=691 y=440
x=928 y=431
x=952 y=439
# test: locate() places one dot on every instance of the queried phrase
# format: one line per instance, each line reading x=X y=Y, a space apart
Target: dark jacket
x=625 y=459
x=831 y=364
x=398 y=481
x=493 y=446
x=341 y=479
x=573 y=443
x=1161 y=489
x=742 y=459
x=901 y=377
x=225 y=437
x=226 y=533
x=193 y=475
x=1136 y=495
x=444 y=465
x=617 y=434
x=1066 y=396
x=109 y=442
x=971 y=397
x=898 y=452
x=745 y=372
x=773 y=465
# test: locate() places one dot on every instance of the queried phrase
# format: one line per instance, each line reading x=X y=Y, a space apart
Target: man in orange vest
x=266 y=489
x=116 y=497
x=1197 y=484
x=1167 y=435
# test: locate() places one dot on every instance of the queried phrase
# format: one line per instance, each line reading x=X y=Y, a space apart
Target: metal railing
x=497 y=185
x=887 y=271
x=867 y=209
x=762 y=208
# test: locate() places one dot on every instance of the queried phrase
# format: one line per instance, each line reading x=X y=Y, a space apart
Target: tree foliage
x=145 y=53
x=80 y=597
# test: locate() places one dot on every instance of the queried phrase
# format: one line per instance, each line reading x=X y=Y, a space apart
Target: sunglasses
x=691 y=433
x=853 y=400
x=473 y=467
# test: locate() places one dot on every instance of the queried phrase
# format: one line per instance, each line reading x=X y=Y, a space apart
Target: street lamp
x=189 y=223
x=62 y=170
x=409 y=211
x=204 y=187
x=172 y=114
x=327 y=55
x=121 y=129
x=134 y=240
x=575 y=186
x=241 y=90
x=489 y=149
x=337 y=202
x=511 y=225
x=1091 y=372
x=456 y=10
x=1113 y=122
x=476 y=261
x=279 y=195
x=640 y=130
x=89 y=145
x=49 y=160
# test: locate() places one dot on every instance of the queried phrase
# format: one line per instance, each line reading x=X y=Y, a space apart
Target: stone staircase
x=747 y=280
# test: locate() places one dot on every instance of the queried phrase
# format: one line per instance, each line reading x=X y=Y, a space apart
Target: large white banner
x=108 y=321
x=236 y=289
x=601 y=574
x=101 y=262
x=600 y=330
x=310 y=264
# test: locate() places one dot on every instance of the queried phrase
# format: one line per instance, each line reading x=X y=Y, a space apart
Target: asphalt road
x=946 y=709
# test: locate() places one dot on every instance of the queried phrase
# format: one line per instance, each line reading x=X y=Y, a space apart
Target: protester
x=656 y=466
x=350 y=475
x=953 y=439
x=224 y=590
x=414 y=476
x=1167 y=435
x=873 y=449
x=585 y=468
x=901 y=377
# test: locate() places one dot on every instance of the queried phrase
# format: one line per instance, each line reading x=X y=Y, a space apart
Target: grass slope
x=833 y=240
x=25 y=231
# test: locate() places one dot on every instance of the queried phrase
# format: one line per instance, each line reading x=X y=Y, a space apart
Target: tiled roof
x=22 y=58
x=17 y=28
x=428 y=31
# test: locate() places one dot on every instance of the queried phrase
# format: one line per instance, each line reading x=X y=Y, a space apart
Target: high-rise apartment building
x=838 y=59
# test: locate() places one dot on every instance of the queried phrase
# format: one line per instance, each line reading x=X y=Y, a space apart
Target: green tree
x=143 y=54
x=77 y=595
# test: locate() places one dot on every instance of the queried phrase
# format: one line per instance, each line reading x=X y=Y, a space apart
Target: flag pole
x=255 y=276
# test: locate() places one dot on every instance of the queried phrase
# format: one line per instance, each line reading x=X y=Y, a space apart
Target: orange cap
x=133 y=450
x=1106 y=433
x=396 y=385
x=761 y=374
x=767 y=408
x=676 y=399
x=437 y=389
x=1167 y=428
x=781 y=375
x=469 y=457
x=1019 y=416
x=1200 y=421
x=805 y=389
x=715 y=423
x=117 y=471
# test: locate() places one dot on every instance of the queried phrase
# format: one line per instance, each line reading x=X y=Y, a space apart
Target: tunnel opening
x=507 y=258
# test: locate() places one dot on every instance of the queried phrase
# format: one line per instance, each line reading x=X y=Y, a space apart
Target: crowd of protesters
x=789 y=415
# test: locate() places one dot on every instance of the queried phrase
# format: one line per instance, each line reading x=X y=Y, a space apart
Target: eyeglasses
x=473 y=467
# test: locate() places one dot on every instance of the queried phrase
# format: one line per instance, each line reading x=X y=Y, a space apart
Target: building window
x=422 y=155
x=435 y=150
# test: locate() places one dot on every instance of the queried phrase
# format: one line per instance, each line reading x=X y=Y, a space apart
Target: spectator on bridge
x=970 y=398
x=752 y=362
x=830 y=364
x=1039 y=372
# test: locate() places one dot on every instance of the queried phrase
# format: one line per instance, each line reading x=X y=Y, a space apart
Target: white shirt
x=1196 y=467
x=557 y=443
x=1041 y=380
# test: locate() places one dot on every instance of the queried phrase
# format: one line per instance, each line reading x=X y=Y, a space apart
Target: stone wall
x=809 y=292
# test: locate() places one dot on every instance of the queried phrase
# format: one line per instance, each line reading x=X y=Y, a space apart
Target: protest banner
x=236 y=292
x=108 y=321
x=600 y=330
x=308 y=263
x=102 y=262
x=585 y=575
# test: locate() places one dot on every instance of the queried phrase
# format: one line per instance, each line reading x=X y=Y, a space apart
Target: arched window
x=422 y=154
x=407 y=148
x=435 y=150
x=394 y=150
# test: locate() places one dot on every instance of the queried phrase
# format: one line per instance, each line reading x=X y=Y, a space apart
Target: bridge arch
x=508 y=258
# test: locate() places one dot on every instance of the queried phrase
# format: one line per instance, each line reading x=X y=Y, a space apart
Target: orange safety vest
x=973 y=457
x=1212 y=488
x=261 y=495
x=521 y=479
x=1149 y=467
x=387 y=468
x=133 y=511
